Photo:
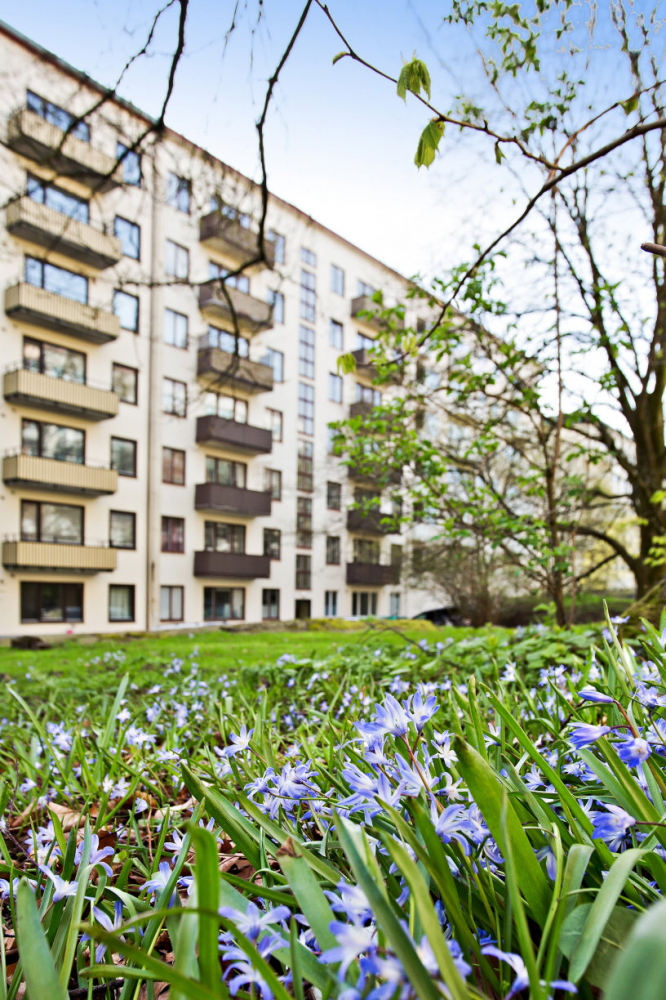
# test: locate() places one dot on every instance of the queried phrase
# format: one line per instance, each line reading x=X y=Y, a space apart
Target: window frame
x=128 y=475
x=231 y=590
x=132 y=226
x=337 y=273
x=273 y=543
x=174 y=400
x=335 y=388
x=306 y=395
x=175 y=325
x=167 y=524
x=39 y=528
x=132 y=591
x=174 y=451
x=122 y=513
x=272 y=423
x=125 y=154
x=118 y=293
x=337 y=488
x=303 y=571
x=171 y=588
x=116 y=365
x=270 y=603
x=333 y=550
x=39 y=603
x=44 y=265
x=41 y=424
x=179 y=254
x=183 y=184
x=268 y=483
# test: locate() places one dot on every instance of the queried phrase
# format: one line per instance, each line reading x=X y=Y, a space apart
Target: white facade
x=45 y=311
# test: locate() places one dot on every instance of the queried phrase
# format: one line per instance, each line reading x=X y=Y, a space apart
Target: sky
x=340 y=143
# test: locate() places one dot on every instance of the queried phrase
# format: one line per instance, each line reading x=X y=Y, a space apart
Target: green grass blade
x=640 y=971
x=308 y=893
x=208 y=895
x=41 y=977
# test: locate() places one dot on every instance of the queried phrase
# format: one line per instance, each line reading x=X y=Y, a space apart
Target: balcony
x=46 y=392
x=375 y=476
x=232 y=436
x=55 y=312
x=364 y=303
x=231 y=500
x=360 y=409
x=372 y=575
x=51 y=556
x=49 y=474
x=235 y=243
x=252 y=315
x=225 y=369
x=370 y=522
x=364 y=365
x=31 y=135
x=39 y=224
x=231 y=565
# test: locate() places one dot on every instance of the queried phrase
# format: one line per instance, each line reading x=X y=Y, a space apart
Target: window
x=280 y=245
x=171 y=604
x=59 y=523
x=396 y=555
x=51 y=602
x=272 y=541
x=306 y=352
x=224 y=604
x=129 y=235
x=275 y=360
x=225 y=472
x=303 y=572
x=126 y=308
x=221 y=537
x=366 y=394
x=57 y=199
x=270 y=605
x=225 y=341
x=337 y=280
x=131 y=161
x=274 y=423
x=335 y=336
x=178 y=193
x=304 y=522
x=394 y=605
x=43 y=440
x=239 y=281
x=175 y=329
x=308 y=296
x=364 y=289
x=230 y=211
x=121 y=602
x=334 y=496
x=308 y=257
x=305 y=466
x=366 y=551
x=276 y=300
x=305 y=408
x=330 y=603
x=123 y=456
x=363 y=603
x=50 y=359
x=174 y=397
x=124 y=383
x=334 y=388
x=332 y=550
x=173 y=466
x=56 y=279
x=176 y=261
x=273 y=483
x=173 y=534
x=122 y=529
x=58 y=116
x=218 y=405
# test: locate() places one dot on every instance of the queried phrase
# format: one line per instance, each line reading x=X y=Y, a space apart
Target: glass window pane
x=51 y=601
x=65 y=283
x=60 y=362
x=126 y=308
x=131 y=164
x=121 y=603
x=30 y=437
x=129 y=235
x=125 y=383
x=61 y=523
x=29 y=521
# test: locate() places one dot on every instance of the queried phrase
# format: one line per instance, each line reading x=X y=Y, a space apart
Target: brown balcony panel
x=47 y=228
x=222 y=368
x=231 y=500
x=372 y=523
x=372 y=575
x=360 y=409
x=59 y=477
x=228 y=238
x=252 y=315
x=54 y=312
x=232 y=436
x=231 y=565
x=364 y=364
x=50 y=556
x=45 y=392
x=391 y=476
x=31 y=135
x=363 y=304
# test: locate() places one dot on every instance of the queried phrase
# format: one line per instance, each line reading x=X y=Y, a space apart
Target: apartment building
x=167 y=452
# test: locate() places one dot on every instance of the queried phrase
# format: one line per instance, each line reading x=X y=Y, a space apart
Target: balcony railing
x=252 y=315
x=46 y=392
x=55 y=312
x=31 y=135
x=374 y=476
x=39 y=224
x=363 y=304
x=232 y=436
x=360 y=408
x=372 y=522
x=52 y=556
x=223 y=368
x=231 y=240
x=50 y=474
x=372 y=575
x=231 y=500
x=231 y=565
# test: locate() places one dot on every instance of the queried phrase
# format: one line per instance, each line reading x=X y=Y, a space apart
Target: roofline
x=47 y=56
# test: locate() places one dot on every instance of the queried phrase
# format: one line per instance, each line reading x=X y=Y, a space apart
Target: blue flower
x=613 y=826
x=582 y=734
x=239 y=743
x=452 y=824
x=61 y=889
x=591 y=694
x=522 y=980
x=421 y=711
x=253 y=921
x=353 y=940
x=97 y=854
x=633 y=751
x=391 y=717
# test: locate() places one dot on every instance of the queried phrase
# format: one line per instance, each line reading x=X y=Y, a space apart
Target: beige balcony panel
x=49 y=556
x=32 y=136
x=39 y=224
x=251 y=314
x=46 y=392
x=58 y=477
x=54 y=312
x=232 y=241
x=220 y=368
